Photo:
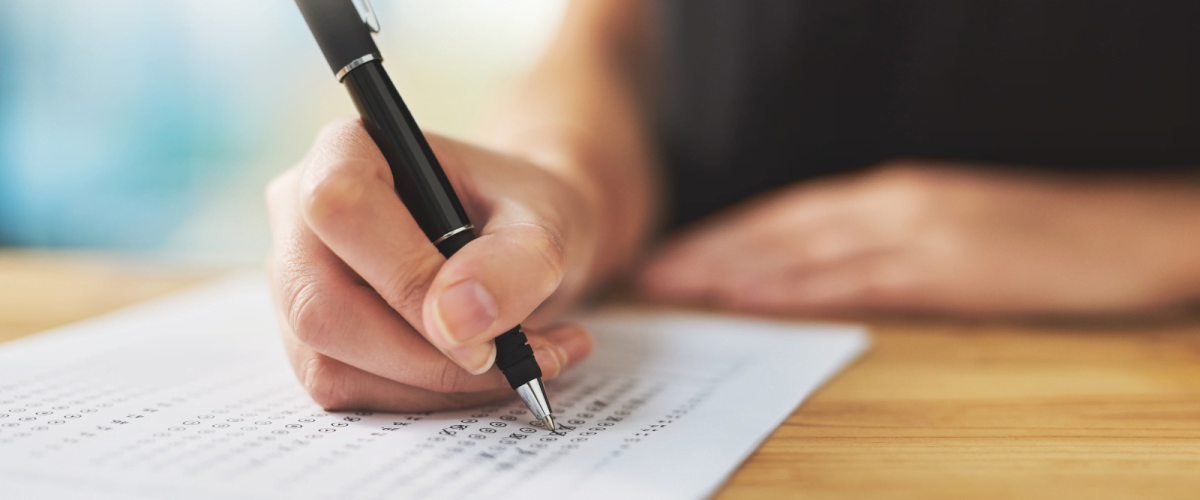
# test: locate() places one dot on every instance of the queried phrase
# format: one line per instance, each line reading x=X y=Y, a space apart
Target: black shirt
x=761 y=93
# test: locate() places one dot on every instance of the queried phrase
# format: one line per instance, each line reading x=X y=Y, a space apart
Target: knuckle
x=321 y=378
x=338 y=126
x=450 y=378
x=336 y=192
x=911 y=200
x=342 y=134
x=547 y=245
x=830 y=246
x=405 y=290
x=888 y=283
x=304 y=313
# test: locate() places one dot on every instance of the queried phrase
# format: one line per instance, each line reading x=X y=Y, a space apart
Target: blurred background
x=150 y=128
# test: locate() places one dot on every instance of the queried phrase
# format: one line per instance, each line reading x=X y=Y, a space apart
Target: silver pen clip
x=372 y=21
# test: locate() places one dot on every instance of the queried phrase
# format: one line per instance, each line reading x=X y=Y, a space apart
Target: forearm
x=579 y=114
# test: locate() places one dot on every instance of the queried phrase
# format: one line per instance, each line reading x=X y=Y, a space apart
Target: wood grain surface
x=957 y=411
x=936 y=409
x=41 y=290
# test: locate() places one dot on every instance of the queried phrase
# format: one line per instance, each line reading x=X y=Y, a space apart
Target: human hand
x=372 y=315
x=950 y=239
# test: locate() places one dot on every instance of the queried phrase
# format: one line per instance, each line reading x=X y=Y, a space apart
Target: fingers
x=325 y=307
x=704 y=265
x=337 y=385
x=855 y=285
x=330 y=309
x=800 y=252
x=349 y=202
x=485 y=289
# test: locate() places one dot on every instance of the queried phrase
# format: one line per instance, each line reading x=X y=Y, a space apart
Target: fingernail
x=475 y=359
x=550 y=359
x=573 y=343
x=464 y=311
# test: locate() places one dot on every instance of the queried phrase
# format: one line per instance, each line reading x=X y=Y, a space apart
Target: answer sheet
x=191 y=397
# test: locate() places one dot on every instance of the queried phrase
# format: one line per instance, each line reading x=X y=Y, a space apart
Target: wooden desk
x=949 y=410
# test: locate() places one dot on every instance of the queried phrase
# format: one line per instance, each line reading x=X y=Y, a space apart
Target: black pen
x=345 y=39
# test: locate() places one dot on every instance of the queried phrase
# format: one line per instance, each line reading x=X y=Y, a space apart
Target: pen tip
x=549 y=421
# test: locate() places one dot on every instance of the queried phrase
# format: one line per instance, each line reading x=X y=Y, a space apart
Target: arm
x=581 y=113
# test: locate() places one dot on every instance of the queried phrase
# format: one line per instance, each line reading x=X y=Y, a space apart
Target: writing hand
x=373 y=317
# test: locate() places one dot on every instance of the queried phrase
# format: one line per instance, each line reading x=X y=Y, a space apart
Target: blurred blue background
x=151 y=127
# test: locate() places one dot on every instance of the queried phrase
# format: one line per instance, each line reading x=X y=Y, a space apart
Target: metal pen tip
x=533 y=393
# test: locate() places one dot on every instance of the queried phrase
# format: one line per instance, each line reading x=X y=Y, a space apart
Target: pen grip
x=514 y=357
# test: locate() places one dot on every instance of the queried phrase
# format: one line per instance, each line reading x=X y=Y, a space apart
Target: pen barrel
x=416 y=174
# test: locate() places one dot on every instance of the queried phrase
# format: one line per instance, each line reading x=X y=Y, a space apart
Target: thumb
x=494 y=282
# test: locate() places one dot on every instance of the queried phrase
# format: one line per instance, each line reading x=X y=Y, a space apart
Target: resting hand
x=373 y=317
x=953 y=239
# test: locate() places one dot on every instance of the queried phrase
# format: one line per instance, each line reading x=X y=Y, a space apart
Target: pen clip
x=372 y=21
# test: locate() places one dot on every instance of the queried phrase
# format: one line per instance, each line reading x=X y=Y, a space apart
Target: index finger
x=350 y=204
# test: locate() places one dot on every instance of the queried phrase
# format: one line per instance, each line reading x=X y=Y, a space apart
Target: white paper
x=191 y=397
